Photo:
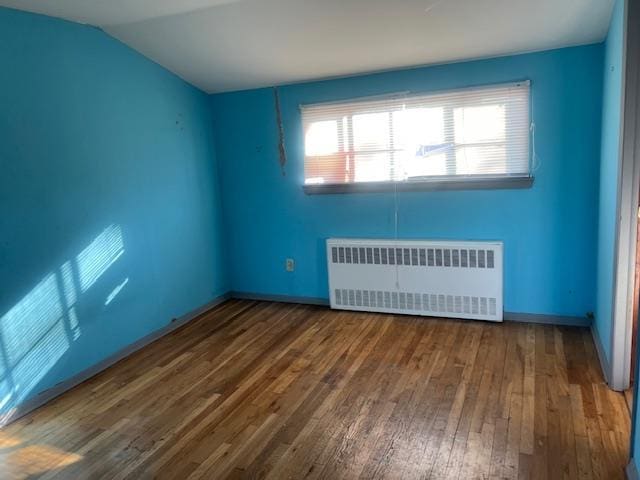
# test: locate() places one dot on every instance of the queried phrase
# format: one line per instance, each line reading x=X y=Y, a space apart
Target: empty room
x=319 y=239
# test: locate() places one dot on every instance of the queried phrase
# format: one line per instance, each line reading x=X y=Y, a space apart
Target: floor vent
x=436 y=278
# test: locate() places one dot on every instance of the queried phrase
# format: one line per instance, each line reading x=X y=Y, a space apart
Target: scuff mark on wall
x=281 y=148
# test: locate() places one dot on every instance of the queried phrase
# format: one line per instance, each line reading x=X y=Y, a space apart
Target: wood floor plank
x=254 y=390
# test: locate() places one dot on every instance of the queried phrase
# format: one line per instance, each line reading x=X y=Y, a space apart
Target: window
x=470 y=135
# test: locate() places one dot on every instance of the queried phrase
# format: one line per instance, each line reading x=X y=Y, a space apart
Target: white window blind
x=471 y=134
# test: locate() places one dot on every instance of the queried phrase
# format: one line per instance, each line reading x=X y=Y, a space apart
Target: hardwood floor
x=268 y=390
x=628 y=398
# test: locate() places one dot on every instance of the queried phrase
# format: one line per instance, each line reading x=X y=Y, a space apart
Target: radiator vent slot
x=416 y=257
x=435 y=278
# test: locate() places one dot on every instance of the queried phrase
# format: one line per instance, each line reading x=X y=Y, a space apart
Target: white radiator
x=417 y=277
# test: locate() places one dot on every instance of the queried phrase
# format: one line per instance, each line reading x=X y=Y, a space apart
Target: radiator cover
x=458 y=279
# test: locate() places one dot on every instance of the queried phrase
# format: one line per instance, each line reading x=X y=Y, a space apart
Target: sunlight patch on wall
x=96 y=259
x=74 y=324
x=68 y=285
x=43 y=355
x=33 y=338
x=37 y=331
x=114 y=293
x=71 y=296
x=31 y=319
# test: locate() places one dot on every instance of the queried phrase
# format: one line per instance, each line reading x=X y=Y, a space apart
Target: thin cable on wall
x=281 y=148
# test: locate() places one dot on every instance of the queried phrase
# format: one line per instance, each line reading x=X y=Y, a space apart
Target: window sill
x=504 y=183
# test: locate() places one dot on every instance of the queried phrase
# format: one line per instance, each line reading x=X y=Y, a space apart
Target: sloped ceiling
x=223 y=45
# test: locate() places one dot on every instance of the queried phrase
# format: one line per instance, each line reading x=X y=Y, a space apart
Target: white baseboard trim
x=604 y=362
x=66 y=385
x=632 y=471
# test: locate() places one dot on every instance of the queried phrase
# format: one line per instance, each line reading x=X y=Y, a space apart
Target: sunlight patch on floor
x=22 y=463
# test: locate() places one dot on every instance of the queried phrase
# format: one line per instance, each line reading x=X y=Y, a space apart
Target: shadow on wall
x=38 y=330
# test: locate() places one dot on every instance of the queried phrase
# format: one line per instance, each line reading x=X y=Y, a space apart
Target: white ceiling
x=223 y=45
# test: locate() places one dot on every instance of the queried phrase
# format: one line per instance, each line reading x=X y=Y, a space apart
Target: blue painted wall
x=109 y=201
x=609 y=170
x=549 y=230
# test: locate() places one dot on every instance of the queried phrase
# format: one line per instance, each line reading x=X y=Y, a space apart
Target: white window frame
x=443 y=182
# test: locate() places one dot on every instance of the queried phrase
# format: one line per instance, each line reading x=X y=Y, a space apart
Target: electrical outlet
x=290 y=265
